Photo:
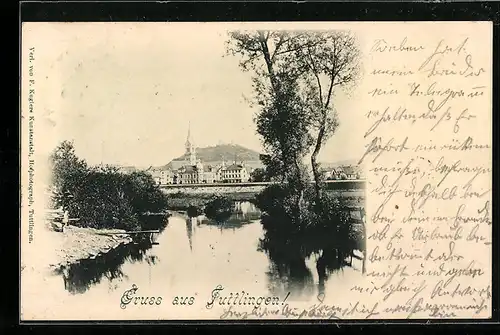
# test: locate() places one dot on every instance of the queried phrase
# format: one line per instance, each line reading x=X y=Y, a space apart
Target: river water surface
x=191 y=257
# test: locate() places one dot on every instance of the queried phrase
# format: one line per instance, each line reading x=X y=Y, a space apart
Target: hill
x=214 y=155
x=227 y=152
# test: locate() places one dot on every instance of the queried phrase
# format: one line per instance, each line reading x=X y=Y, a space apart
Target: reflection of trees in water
x=245 y=217
x=245 y=208
x=289 y=273
x=328 y=234
x=140 y=254
x=227 y=214
x=153 y=222
x=189 y=230
x=80 y=277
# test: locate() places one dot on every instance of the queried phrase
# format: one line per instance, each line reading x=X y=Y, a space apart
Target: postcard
x=256 y=171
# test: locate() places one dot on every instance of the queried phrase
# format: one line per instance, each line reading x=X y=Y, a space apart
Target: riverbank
x=85 y=243
x=74 y=244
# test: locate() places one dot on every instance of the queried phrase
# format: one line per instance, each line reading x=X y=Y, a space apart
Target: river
x=191 y=257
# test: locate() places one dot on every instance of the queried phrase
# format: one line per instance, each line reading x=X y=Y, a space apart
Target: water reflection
x=292 y=275
x=80 y=277
x=238 y=215
x=189 y=230
x=324 y=233
x=238 y=258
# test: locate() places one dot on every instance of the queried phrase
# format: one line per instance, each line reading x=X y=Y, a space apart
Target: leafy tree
x=259 y=175
x=68 y=174
x=295 y=77
x=143 y=193
x=331 y=60
x=282 y=118
x=102 y=197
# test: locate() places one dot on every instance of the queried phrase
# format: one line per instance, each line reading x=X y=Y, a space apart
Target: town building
x=345 y=173
x=191 y=170
x=350 y=172
x=188 y=174
x=235 y=173
x=337 y=174
x=163 y=176
x=209 y=175
x=218 y=172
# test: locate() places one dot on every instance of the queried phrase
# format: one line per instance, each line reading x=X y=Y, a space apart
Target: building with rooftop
x=191 y=170
x=235 y=173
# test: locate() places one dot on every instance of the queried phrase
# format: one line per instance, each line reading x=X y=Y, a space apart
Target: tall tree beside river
x=295 y=75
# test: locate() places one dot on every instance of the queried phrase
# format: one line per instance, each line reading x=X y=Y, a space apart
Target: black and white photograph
x=179 y=171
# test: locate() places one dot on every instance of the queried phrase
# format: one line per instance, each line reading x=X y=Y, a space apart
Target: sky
x=125 y=93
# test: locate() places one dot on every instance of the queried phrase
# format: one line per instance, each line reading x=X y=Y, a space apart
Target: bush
x=193 y=211
x=218 y=208
x=102 y=197
x=143 y=193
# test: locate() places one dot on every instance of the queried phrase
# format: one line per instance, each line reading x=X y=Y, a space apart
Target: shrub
x=218 y=208
x=193 y=211
x=102 y=197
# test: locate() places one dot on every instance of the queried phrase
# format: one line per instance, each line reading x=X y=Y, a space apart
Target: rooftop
x=350 y=169
x=188 y=169
x=234 y=167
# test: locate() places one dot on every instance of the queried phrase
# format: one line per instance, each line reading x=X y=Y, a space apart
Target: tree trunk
x=315 y=166
x=269 y=62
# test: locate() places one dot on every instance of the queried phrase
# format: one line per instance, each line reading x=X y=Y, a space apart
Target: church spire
x=190 y=149
x=188 y=139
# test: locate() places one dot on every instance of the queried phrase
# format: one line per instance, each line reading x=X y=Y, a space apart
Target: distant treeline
x=101 y=196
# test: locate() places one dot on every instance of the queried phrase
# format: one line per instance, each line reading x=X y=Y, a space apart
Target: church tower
x=190 y=149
